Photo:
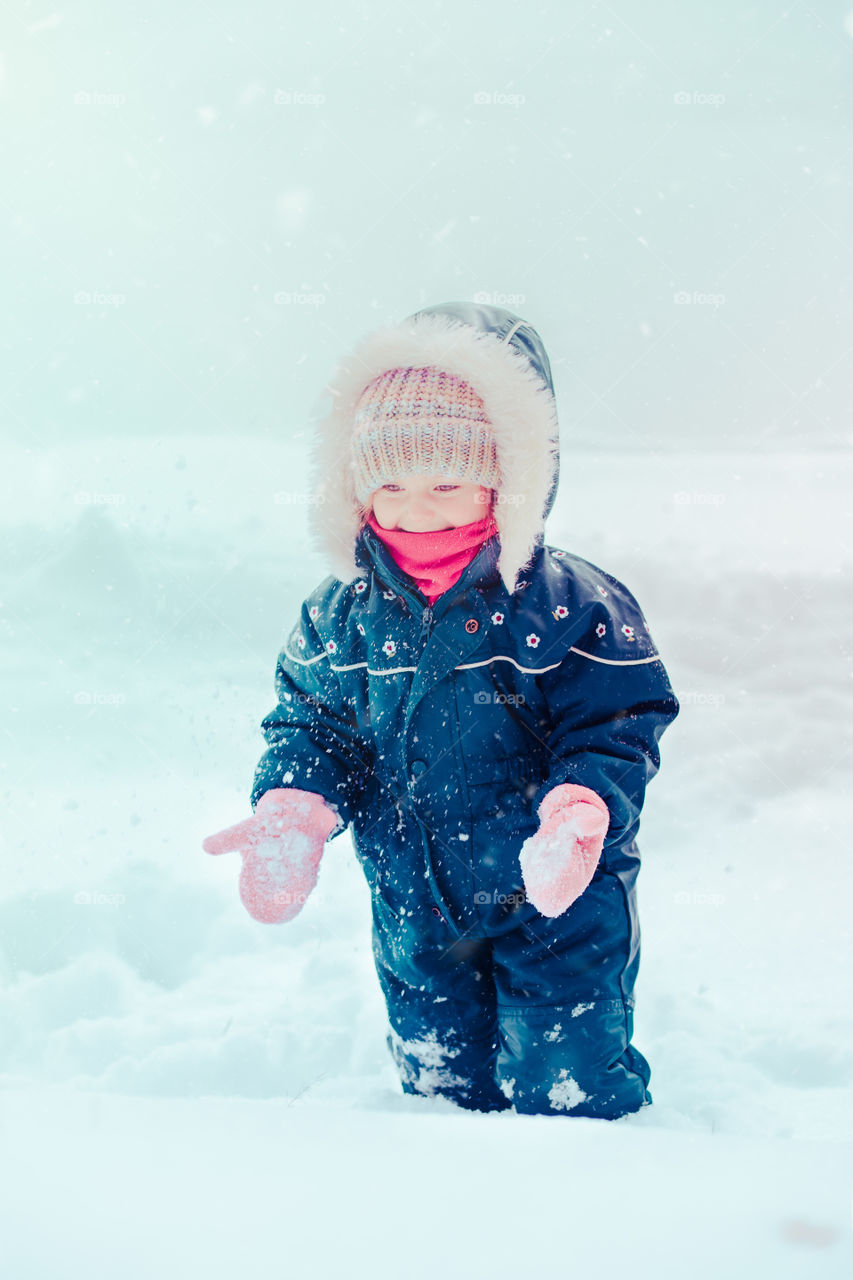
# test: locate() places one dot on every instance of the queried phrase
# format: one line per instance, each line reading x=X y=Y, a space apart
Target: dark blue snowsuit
x=437 y=732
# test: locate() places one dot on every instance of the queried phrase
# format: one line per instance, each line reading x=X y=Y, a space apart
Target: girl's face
x=421 y=504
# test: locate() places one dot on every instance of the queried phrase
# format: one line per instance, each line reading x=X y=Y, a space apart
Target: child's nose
x=415 y=513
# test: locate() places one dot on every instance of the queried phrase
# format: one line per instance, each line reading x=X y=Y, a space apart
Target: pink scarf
x=436 y=558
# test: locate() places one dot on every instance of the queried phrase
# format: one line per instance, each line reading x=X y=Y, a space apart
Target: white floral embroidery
x=331 y=647
x=387 y=595
x=558 y=554
x=532 y=640
x=390 y=648
x=629 y=632
x=601 y=589
x=497 y=618
x=561 y=611
x=600 y=629
x=361 y=585
x=313 y=611
x=300 y=640
x=359 y=628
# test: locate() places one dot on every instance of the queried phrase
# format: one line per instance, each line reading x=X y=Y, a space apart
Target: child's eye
x=447 y=486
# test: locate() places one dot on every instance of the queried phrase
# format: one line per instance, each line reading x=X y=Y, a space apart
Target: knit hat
x=421 y=420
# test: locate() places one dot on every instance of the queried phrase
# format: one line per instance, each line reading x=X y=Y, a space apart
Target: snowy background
x=203 y=207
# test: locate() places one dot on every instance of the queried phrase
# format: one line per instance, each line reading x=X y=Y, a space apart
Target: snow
x=168 y=1061
x=566 y=1093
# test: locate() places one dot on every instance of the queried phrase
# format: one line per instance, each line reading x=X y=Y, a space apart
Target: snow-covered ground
x=185 y=1089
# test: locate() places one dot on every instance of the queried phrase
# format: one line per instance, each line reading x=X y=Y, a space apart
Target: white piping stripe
x=305 y=662
x=513 y=330
x=503 y=657
x=467 y=666
x=616 y=662
x=391 y=671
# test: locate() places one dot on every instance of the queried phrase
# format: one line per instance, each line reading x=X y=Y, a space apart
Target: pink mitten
x=282 y=845
x=558 y=862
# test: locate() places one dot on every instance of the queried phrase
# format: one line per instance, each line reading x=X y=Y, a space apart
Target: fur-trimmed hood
x=502 y=357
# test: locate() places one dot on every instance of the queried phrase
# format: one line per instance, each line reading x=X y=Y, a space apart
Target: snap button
x=472 y=625
x=418 y=767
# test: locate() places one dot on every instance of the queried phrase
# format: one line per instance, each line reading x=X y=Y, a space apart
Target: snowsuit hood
x=504 y=359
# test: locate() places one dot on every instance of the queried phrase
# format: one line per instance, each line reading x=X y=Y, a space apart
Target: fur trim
x=520 y=408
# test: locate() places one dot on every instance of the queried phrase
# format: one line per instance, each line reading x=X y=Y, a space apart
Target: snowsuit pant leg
x=440 y=997
x=565 y=1007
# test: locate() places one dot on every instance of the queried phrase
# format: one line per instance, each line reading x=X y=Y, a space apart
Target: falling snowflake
x=497 y=618
x=331 y=647
x=532 y=640
x=561 y=611
x=600 y=629
x=389 y=648
x=629 y=632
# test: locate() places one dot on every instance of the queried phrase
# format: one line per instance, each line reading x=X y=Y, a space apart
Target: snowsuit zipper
x=426 y=623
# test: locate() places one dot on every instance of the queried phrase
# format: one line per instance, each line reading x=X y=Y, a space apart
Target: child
x=483 y=711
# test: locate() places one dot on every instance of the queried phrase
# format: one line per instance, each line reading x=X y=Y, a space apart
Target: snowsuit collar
x=435 y=560
x=371 y=554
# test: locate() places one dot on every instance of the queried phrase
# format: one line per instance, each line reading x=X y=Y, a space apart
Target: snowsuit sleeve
x=312 y=735
x=609 y=706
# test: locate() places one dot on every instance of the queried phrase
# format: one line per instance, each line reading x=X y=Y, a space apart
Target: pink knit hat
x=424 y=421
